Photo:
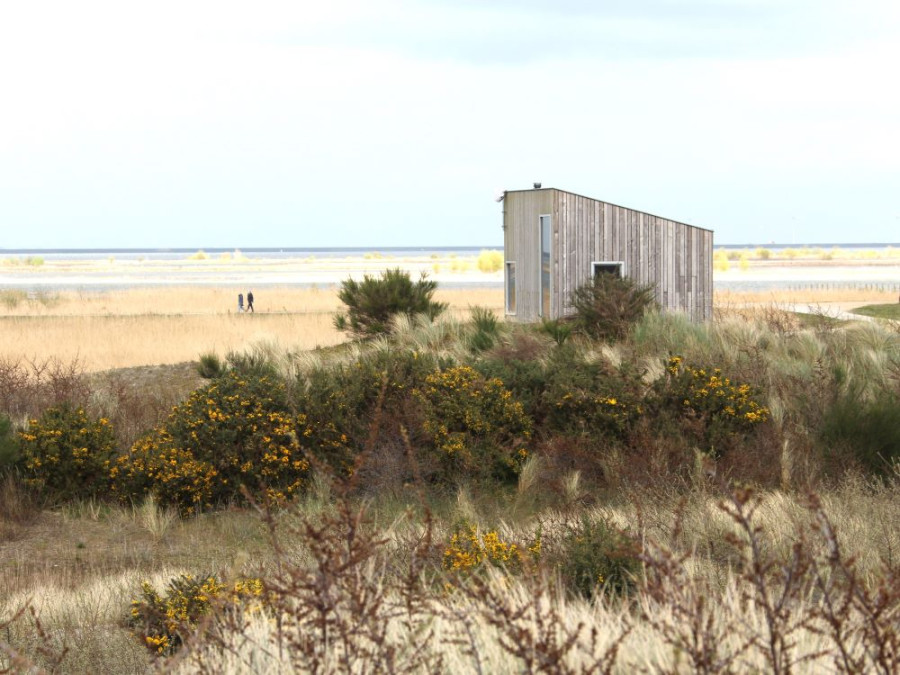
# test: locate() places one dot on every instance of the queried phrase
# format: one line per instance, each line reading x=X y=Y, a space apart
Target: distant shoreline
x=350 y=250
x=455 y=268
x=100 y=274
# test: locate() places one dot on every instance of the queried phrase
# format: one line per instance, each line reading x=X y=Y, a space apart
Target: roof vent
x=537 y=186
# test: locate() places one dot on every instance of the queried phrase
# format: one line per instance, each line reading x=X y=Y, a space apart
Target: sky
x=398 y=122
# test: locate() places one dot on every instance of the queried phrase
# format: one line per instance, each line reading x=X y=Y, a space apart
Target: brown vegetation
x=623 y=538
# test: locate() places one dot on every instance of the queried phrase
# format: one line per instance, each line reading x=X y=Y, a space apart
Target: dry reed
x=135 y=327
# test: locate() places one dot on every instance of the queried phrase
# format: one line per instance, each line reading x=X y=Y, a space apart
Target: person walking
x=240 y=302
x=249 y=301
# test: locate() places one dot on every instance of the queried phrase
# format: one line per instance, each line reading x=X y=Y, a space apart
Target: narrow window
x=510 y=288
x=614 y=268
x=545 y=265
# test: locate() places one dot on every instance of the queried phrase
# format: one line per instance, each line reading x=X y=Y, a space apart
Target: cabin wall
x=676 y=258
x=522 y=245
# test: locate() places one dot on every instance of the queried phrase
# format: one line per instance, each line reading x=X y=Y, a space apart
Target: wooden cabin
x=555 y=241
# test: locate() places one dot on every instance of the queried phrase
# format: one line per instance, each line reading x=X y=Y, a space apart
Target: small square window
x=616 y=268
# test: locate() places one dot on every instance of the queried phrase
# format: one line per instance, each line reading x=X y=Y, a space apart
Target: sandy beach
x=112 y=273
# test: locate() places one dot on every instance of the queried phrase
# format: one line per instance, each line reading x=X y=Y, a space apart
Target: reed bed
x=142 y=326
x=834 y=297
x=137 y=327
x=106 y=342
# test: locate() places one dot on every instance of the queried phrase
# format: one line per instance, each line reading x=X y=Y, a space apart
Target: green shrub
x=210 y=366
x=10 y=455
x=558 y=329
x=12 y=298
x=589 y=397
x=490 y=261
x=525 y=379
x=486 y=329
x=484 y=320
x=460 y=264
x=607 y=306
x=595 y=556
x=164 y=622
x=66 y=454
x=519 y=364
x=256 y=362
x=474 y=424
x=350 y=406
x=868 y=429
x=233 y=435
x=373 y=302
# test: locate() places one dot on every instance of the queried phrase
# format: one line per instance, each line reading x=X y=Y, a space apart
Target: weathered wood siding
x=676 y=258
x=522 y=245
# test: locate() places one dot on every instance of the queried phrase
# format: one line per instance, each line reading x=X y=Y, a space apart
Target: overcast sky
x=396 y=122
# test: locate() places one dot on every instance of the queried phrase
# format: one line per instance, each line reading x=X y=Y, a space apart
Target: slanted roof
x=575 y=194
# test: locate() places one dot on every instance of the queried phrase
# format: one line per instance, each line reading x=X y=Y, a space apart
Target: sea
x=267 y=253
x=798 y=276
x=359 y=251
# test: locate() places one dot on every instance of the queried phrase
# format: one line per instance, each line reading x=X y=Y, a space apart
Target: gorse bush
x=596 y=556
x=590 y=397
x=720 y=405
x=373 y=302
x=607 y=306
x=233 y=435
x=519 y=364
x=470 y=547
x=594 y=413
x=348 y=407
x=473 y=423
x=66 y=454
x=164 y=622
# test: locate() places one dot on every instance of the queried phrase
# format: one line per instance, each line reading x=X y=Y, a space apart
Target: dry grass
x=151 y=326
x=80 y=568
x=177 y=300
x=101 y=343
x=827 y=297
x=137 y=327
x=811 y=254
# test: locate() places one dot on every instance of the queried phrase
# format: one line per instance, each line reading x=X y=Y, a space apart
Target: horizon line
x=289 y=249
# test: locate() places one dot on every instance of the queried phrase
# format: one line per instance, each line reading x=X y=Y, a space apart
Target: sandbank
x=87 y=274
